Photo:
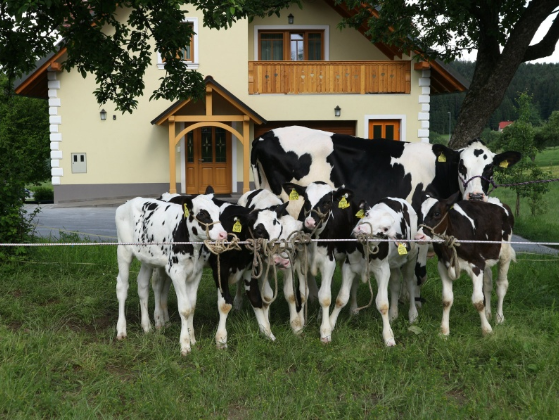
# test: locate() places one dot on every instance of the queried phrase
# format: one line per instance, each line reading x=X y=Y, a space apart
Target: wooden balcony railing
x=329 y=77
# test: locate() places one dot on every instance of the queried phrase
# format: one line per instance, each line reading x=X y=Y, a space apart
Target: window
x=188 y=54
x=294 y=45
x=384 y=129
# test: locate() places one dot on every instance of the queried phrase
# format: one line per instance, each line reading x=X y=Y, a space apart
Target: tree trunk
x=495 y=70
x=517 y=206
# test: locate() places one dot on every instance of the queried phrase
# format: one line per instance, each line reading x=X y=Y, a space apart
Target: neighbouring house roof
x=223 y=92
x=503 y=124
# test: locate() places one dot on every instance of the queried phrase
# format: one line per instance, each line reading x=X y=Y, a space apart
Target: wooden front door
x=384 y=129
x=208 y=160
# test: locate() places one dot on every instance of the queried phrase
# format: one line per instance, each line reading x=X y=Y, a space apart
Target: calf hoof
x=393 y=317
x=486 y=331
x=326 y=340
x=488 y=315
x=221 y=346
x=121 y=336
x=185 y=351
x=354 y=311
x=390 y=342
x=296 y=326
x=500 y=319
x=237 y=304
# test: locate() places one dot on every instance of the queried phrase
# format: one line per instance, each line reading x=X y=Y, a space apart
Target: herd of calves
x=167 y=236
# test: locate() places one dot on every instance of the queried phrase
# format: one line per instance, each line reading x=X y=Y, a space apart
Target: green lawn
x=59 y=357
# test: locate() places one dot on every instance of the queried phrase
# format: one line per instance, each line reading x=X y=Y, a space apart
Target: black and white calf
x=144 y=221
x=262 y=199
x=329 y=214
x=390 y=218
x=470 y=220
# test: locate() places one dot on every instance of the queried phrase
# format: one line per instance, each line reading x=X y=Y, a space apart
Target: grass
x=59 y=357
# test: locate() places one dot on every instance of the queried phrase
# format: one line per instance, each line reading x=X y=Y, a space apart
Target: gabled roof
x=443 y=80
x=237 y=104
x=35 y=83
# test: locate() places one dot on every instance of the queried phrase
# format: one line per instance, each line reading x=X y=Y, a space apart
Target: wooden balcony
x=308 y=77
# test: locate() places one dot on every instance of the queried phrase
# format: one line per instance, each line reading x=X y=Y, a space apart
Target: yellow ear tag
x=343 y=204
x=504 y=164
x=360 y=214
x=294 y=195
x=402 y=249
x=237 y=227
x=186 y=212
x=442 y=158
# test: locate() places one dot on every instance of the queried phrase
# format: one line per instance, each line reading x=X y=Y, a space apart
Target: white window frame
x=324 y=28
x=401 y=117
x=189 y=64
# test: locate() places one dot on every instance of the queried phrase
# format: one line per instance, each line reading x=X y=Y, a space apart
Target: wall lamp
x=290 y=19
x=337 y=111
x=103 y=115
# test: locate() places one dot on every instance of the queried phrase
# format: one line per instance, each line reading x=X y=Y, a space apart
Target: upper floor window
x=295 y=45
x=189 y=53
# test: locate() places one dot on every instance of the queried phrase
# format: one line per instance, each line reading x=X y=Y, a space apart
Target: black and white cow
x=390 y=218
x=373 y=169
x=470 y=220
x=141 y=221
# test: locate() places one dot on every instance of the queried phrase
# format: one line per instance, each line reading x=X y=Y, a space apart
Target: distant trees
x=539 y=80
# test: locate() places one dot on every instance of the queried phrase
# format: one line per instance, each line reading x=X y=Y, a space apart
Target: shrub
x=43 y=194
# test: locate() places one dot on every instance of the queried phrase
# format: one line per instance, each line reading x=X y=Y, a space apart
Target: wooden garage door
x=339 y=127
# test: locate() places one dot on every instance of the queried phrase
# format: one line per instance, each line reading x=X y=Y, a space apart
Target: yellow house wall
x=131 y=150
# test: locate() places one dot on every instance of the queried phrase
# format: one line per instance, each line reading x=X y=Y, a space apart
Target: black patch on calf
x=477 y=152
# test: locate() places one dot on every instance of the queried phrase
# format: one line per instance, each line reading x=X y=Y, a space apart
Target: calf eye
x=437 y=214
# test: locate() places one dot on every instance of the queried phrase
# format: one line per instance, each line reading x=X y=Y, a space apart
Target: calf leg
x=503 y=282
x=253 y=292
x=158 y=280
x=192 y=294
x=409 y=277
x=124 y=259
x=343 y=295
x=325 y=298
x=223 y=308
x=143 y=292
x=487 y=290
x=238 y=302
x=448 y=298
x=184 y=307
x=382 y=275
x=477 y=301
x=395 y=285
x=296 y=321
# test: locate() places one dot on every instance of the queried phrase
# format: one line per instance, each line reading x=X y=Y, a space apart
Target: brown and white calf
x=390 y=218
x=140 y=222
x=476 y=221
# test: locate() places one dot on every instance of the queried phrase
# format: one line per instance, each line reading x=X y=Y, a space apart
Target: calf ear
x=341 y=192
x=453 y=199
x=506 y=159
x=209 y=190
x=281 y=210
x=187 y=206
x=288 y=187
x=363 y=205
x=445 y=154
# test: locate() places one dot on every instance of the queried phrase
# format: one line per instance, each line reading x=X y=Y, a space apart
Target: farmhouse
x=268 y=73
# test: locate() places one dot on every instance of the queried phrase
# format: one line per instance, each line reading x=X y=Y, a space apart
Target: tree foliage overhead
x=116 y=51
x=500 y=30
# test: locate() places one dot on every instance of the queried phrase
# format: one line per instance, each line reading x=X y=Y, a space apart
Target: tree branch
x=546 y=46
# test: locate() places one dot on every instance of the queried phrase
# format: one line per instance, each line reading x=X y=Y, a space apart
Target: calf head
x=265 y=223
x=202 y=216
x=376 y=221
x=475 y=166
x=434 y=214
x=319 y=200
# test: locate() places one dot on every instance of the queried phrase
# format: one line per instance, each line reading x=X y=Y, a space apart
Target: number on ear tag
x=442 y=158
x=237 y=227
x=186 y=212
x=360 y=214
x=343 y=204
x=294 y=195
x=504 y=164
x=402 y=249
